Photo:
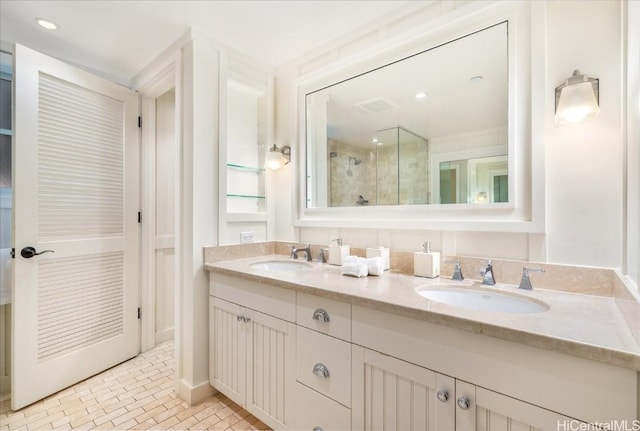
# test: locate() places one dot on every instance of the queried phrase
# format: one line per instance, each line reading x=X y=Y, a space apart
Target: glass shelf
x=231 y=195
x=245 y=168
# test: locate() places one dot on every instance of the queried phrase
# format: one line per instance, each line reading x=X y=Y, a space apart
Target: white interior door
x=76 y=193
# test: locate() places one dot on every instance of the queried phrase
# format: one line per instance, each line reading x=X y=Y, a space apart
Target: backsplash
x=602 y=282
x=574 y=279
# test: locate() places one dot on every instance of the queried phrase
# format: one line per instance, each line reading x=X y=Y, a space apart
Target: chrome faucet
x=487 y=275
x=457 y=271
x=295 y=250
x=322 y=257
x=525 y=283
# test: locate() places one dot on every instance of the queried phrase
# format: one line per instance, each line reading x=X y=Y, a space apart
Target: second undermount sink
x=280 y=265
x=483 y=300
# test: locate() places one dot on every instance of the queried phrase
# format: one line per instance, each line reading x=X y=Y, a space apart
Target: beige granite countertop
x=585 y=326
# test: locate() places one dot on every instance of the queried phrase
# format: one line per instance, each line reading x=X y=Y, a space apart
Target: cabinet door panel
x=270 y=361
x=490 y=411
x=227 y=349
x=390 y=394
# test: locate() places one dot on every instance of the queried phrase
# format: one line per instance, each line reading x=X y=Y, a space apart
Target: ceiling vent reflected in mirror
x=373 y=106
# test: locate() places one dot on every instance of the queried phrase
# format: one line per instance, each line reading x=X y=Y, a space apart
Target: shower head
x=355 y=161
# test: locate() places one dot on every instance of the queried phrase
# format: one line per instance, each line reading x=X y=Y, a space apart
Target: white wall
x=633 y=143
x=583 y=162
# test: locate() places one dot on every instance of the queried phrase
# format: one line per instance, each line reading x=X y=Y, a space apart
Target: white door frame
x=167 y=76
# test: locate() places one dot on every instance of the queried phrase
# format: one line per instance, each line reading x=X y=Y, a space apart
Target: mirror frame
x=526 y=121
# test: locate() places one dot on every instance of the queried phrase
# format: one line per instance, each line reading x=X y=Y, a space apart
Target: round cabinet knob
x=321 y=315
x=321 y=370
x=318 y=429
x=443 y=395
x=463 y=403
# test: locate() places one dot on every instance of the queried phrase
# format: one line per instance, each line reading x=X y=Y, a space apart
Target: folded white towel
x=354 y=269
x=375 y=265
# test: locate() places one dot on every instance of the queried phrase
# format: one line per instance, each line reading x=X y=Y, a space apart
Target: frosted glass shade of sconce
x=278 y=157
x=577 y=102
x=274 y=160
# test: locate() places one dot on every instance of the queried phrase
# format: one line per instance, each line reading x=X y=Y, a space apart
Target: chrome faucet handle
x=487 y=275
x=338 y=241
x=292 y=254
x=525 y=282
x=322 y=257
x=457 y=271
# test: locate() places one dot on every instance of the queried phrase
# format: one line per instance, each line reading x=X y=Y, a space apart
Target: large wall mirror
x=431 y=128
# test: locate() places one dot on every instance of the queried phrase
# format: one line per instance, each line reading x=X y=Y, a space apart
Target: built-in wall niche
x=246 y=148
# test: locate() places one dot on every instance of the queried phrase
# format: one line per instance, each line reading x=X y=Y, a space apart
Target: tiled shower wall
x=346 y=189
x=405 y=173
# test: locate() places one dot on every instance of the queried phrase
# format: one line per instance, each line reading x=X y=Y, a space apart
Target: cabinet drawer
x=317 y=352
x=267 y=299
x=314 y=411
x=311 y=311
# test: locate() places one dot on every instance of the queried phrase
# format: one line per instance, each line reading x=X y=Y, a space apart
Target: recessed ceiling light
x=379 y=144
x=374 y=140
x=477 y=78
x=45 y=23
x=421 y=95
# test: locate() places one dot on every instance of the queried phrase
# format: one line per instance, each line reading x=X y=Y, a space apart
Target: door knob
x=29 y=252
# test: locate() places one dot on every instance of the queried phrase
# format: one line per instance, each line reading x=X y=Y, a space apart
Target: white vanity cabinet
x=323 y=364
x=394 y=395
x=479 y=409
x=305 y=362
x=252 y=353
x=511 y=383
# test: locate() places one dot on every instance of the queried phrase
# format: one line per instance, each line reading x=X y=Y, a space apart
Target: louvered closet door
x=76 y=193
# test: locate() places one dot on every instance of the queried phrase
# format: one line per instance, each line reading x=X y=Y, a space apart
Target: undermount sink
x=280 y=265
x=483 y=300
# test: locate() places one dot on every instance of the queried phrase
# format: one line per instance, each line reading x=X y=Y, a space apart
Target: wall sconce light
x=278 y=157
x=577 y=98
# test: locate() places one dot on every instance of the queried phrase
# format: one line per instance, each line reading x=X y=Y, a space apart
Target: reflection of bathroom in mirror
x=482 y=180
x=393 y=172
x=428 y=129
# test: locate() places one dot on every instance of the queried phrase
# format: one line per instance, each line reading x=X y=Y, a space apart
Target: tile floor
x=137 y=395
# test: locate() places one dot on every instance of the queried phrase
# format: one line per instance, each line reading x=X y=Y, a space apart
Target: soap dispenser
x=337 y=252
x=426 y=263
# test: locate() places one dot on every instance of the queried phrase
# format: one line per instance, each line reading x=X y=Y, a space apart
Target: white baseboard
x=162 y=336
x=194 y=394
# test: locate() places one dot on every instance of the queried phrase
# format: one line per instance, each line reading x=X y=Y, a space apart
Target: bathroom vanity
x=302 y=347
